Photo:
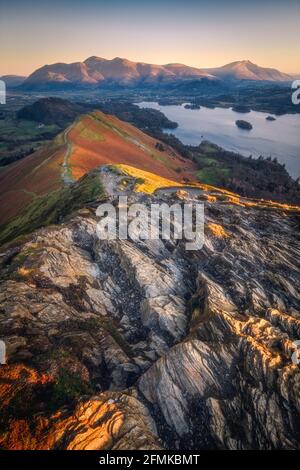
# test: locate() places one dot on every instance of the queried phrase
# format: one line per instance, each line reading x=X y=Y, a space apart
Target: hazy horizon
x=202 y=34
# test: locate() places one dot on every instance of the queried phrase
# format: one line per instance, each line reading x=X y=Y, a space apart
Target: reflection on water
x=280 y=138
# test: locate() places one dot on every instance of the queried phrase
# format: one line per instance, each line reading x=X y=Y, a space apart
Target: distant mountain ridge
x=246 y=70
x=97 y=71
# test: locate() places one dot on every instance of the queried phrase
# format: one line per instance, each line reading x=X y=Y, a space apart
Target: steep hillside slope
x=127 y=344
x=93 y=140
x=100 y=139
x=35 y=175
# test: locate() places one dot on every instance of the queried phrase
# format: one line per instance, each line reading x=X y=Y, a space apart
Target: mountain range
x=97 y=71
x=246 y=70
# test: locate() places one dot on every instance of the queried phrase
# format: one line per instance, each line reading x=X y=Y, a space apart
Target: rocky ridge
x=125 y=344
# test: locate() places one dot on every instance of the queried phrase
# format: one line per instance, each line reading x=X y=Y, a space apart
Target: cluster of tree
x=253 y=177
x=192 y=106
x=52 y=111
x=146 y=119
x=62 y=112
x=17 y=148
x=239 y=108
x=270 y=97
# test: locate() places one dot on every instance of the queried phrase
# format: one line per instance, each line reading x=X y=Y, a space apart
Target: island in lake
x=243 y=124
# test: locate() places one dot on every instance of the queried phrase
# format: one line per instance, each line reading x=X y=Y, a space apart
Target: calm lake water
x=280 y=138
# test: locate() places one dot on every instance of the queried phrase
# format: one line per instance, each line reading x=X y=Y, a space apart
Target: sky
x=194 y=32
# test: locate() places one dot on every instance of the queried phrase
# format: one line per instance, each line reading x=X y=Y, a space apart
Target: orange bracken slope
x=93 y=140
x=99 y=139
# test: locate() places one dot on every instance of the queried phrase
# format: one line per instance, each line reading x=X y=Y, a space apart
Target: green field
x=19 y=138
x=212 y=170
x=213 y=175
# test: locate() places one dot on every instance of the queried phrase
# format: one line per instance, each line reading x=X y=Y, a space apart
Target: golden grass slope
x=148 y=182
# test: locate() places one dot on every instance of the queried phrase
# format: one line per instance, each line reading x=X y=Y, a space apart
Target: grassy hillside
x=50 y=208
x=98 y=139
x=91 y=141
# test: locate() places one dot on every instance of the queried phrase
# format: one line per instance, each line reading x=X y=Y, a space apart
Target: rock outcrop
x=123 y=344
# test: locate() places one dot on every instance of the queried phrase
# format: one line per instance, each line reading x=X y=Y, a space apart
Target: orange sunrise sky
x=199 y=33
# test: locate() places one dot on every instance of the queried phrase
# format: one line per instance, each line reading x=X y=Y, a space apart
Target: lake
x=280 y=138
